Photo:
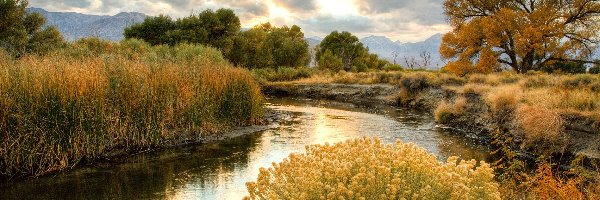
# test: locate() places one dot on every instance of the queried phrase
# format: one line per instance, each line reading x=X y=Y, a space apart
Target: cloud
x=405 y=20
x=297 y=6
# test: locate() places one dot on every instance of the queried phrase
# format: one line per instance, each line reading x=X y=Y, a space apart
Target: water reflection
x=220 y=171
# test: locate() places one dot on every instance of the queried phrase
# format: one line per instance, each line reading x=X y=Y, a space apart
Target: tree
x=269 y=46
x=329 y=61
x=153 y=30
x=522 y=34
x=250 y=50
x=22 y=32
x=343 y=45
x=423 y=63
x=288 y=46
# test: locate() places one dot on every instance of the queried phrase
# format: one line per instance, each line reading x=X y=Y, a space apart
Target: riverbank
x=549 y=115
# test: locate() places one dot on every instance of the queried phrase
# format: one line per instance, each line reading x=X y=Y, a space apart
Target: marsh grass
x=98 y=97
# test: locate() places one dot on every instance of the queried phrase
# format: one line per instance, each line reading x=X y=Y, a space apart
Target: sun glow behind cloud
x=337 y=7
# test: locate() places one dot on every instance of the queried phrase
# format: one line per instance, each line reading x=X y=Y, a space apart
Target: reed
x=97 y=98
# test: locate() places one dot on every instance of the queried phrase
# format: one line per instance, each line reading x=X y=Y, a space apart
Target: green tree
x=250 y=50
x=288 y=47
x=22 y=32
x=154 y=31
x=343 y=45
x=372 y=61
x=329 y=61
x=269 y=46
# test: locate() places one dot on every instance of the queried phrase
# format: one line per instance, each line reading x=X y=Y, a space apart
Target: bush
x=595 y=69
x=503 y=103
x=392 y=67
x=282 y=74
x=367 y=169
x=578 y=81
x=565 y=67
x=542 y=128
x=445 y=112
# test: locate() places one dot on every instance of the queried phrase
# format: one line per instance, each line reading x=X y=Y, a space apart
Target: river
x=220 y=170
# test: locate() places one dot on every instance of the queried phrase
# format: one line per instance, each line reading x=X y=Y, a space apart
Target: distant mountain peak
x=74 y=26
x=130 y=14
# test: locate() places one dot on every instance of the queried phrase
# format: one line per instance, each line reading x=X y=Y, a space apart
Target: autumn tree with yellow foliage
x=522 y=34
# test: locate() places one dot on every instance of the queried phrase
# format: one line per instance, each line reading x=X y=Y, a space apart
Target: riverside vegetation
x=97 y=98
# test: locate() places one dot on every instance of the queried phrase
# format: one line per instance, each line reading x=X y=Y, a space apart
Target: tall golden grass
x=368 y=169
x=97 y=97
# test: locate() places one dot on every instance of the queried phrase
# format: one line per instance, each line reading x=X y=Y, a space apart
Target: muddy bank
x=358 y=94
x=581 y=135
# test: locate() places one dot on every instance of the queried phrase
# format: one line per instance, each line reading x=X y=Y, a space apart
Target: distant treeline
x=263 y=46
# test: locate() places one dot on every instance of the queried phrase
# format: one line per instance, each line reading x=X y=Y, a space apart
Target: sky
x=403 y=20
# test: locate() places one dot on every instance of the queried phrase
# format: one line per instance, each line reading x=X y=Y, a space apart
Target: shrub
x=503 y=103
x=445 y=112
x=392 y=67
x=595 y=69
x=547 y=186
x=578 y=81
x=450 y=79
x=536 y=81
x=478 y=78
x=367 y=169
x=282 y=74
x=479 y=89
x=414 y=82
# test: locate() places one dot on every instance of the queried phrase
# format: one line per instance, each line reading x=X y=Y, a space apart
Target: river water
x=220 y=170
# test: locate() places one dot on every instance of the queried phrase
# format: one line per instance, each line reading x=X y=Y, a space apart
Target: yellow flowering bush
x=368 y=169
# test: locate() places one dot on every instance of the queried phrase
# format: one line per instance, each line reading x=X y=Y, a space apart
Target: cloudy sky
x=404 y=20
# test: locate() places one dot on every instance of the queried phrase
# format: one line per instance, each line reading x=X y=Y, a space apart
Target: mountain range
x=74 y=26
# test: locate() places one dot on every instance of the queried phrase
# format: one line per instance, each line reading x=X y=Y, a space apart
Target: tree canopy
x=269 y=46
x=343 y=45
x=344 y=51
x=22 y=32
x=522 y=34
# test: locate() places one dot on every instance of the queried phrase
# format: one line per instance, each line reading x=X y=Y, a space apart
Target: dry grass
x=503 y=102
x=80 y=104
x=541 y=126
x=367 y=169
